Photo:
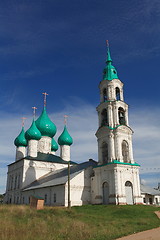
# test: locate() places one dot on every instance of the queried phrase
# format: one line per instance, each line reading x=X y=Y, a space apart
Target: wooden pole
x=69 y=200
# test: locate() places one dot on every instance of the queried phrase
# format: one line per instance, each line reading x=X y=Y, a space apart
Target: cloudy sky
x=59 y=47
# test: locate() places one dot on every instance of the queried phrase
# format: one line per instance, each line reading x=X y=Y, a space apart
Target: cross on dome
x=107 y=43
x=45 y=98
x=65 y=119
x=34 y=112
x=23 y=120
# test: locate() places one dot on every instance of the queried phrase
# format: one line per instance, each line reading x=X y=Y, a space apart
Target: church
x=113 y=179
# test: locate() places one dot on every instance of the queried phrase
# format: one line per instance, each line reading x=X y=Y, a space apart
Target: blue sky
x=59 y=47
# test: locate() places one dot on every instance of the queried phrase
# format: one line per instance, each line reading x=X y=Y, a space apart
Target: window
x=125 y=151
x=45 y=198
x=15 y=183
x=54 y=198
x=150 y=200
x=144 y=200
x=11 y=182
x=104 y=153
x=18 y=180
x=104 y=117
x=104 y=95
x=121 y=115
x=117 y=94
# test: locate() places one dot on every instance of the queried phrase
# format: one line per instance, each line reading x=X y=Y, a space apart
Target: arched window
x=104 y=95
x=117 y=94
x=121 y=115
x=125 y=151
x=104 y=152
x=104 y=118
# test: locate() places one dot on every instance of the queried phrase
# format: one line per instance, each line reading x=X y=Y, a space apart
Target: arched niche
x=121 y=116
x=104 y=118
x=129 y=192
x=104 y=152
x=105 y=190
x=125 y=151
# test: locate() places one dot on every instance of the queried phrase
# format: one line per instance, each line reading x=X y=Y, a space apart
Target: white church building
x=113 y=179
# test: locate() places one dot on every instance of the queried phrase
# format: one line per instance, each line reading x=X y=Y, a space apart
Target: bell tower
x=116 y=171
x=114 y=134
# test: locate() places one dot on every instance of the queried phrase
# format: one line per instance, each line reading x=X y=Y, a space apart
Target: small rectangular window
x=54 y=198
x=45 y=198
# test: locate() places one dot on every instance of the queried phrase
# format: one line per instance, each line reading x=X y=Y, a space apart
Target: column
x=111 y=147
x=110 y=115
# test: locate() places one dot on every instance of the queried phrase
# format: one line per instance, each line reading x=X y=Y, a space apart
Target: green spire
x=109 y=72
x=54 y=145
x=21 y=141
x=33 y=133
x=45 y=125
x=65 y=138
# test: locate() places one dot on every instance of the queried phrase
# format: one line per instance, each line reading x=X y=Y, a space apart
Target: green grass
x=82 y=223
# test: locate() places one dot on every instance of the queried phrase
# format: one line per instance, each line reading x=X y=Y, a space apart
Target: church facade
x=114 y=179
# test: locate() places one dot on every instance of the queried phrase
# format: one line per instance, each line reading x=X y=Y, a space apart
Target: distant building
x=114 y=179
x=150 y=195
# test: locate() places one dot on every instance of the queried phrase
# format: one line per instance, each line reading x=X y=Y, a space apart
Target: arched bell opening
x=104 y=117
x=117 y=94
x=104 y=149
x=129 y=192
x=104 y=95
x=121 y=116
x=125 y=151
x=105 y=189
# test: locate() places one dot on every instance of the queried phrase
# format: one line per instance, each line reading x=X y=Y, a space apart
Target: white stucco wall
x=80 y=189
x=115 y=175
x=44 y=144
x=65 y=152
x=20 y=153
x=22 y=173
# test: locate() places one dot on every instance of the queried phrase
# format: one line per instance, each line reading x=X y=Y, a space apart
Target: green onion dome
x=45 y=125
x=33 y=133
x=21 y=141
x=54 y=145
x=109 y=72
x=65 y=138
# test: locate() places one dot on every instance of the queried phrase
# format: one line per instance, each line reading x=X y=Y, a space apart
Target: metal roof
x=59 y=177
x=149 y=190
x=48 y=158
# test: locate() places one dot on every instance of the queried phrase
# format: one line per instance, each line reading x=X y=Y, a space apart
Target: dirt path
x=153 y=234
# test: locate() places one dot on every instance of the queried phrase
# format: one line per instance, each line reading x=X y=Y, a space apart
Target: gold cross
x=65 y=119
x=107 y=43
x=34 y=112
x=45 y=97
x=23 y=119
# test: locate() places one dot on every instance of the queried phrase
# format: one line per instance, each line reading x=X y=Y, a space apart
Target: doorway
x=129 y=193
x=105 y=193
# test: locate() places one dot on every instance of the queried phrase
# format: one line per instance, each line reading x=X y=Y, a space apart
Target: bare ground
x=153 y=234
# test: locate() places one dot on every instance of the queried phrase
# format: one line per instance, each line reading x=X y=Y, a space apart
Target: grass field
x=86 y=222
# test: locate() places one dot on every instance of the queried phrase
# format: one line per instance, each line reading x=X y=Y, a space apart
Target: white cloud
x=82 y=125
